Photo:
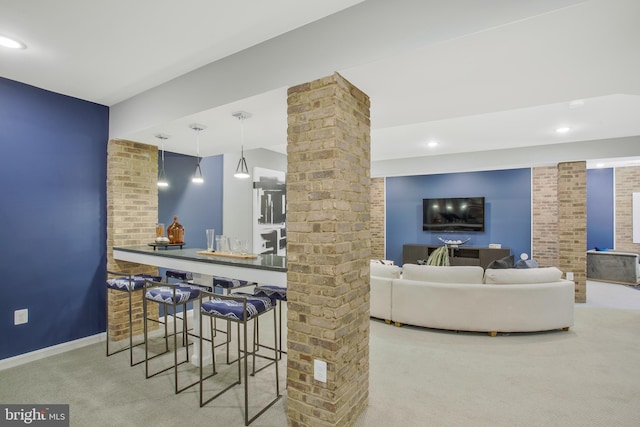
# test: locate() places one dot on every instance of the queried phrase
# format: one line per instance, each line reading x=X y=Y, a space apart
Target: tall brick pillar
x=328 y=251
x=572 y=223
x=627 y=183
x=544 y=245
x=378 y=218
x=132 y=213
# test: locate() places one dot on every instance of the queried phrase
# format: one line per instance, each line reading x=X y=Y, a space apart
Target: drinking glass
x=224 y=244
x=211 y=233
x=236 y=246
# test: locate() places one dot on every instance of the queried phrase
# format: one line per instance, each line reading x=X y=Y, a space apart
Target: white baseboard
x=51 y=351
x=64 y=347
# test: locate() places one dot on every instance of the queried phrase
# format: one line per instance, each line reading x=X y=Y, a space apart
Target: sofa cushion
x=522 y=276
x=451 y=274
x=382 y=270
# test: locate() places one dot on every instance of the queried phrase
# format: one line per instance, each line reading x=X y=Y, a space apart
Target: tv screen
x=453 y=214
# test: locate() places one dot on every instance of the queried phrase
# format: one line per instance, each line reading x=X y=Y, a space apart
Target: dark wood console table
x=463 y=255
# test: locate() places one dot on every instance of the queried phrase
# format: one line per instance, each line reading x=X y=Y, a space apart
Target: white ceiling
x=477 y=76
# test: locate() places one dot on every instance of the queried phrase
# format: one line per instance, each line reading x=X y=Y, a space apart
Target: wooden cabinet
x=464 y=255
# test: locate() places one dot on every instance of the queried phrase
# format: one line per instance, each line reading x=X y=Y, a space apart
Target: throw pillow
x=506 y=262
x=526 y=263
x=382 y=261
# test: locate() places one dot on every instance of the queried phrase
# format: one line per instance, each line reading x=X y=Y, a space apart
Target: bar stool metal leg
x=129 y=283
x=242 y=308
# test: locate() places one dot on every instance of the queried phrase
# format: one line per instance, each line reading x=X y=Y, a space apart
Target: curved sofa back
x=439 y=274
x=485 y=307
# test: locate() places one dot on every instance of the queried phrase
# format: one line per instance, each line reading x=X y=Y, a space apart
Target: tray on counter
x=228 y=254
x=165 y=245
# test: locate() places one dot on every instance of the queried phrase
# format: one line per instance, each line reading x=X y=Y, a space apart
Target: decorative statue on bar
x=175 y=231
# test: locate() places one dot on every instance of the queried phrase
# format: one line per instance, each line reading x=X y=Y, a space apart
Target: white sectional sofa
x=467 y=298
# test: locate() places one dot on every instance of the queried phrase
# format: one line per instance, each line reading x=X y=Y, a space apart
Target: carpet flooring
x=588 y=376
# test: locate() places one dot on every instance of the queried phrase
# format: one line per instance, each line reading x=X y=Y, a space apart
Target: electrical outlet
x=21 y=316
x=569 y=276
x=320 y=370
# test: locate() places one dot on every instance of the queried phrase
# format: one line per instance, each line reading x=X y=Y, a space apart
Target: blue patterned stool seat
x=178 y=274
x=126 y=284
x=165 y=294
x=274 y=292
x=234 y=309
x=229 y=283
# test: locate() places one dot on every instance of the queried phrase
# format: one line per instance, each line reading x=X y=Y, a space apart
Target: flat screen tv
x=453 y=214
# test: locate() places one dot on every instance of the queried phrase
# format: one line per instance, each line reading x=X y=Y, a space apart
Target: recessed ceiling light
x=432 y=144
x=563 y=129
x=576 y=103
x=11 y=43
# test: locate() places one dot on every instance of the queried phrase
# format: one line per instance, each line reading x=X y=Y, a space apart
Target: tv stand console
x=463 y=255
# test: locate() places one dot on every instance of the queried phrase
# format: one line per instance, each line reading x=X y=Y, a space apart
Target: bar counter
x=265 y=269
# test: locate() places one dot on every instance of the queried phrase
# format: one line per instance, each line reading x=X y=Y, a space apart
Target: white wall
x=237 y=193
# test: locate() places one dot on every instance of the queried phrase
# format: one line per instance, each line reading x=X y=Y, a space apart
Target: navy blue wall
x=600 y=207
x=52 y=214
x=198 y=206
x=507 y=196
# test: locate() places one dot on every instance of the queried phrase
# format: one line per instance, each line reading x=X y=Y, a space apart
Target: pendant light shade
x=162 y=176
x=197 y=173
x=242 y=171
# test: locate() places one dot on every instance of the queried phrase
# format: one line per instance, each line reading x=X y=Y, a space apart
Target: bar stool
x=226 y=285
x=183 y=276
x=278 y=294
x=239 y=309
x=169 y=295
x=128 y=283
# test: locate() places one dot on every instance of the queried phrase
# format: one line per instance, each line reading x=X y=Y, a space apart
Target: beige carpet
x=588 y=376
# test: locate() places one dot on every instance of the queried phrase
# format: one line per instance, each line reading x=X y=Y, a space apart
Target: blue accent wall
x=198 y=206
x=507 y=196
x=600 y=208
x=53 y=217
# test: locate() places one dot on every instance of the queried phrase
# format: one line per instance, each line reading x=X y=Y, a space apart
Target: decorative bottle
x=175 y=231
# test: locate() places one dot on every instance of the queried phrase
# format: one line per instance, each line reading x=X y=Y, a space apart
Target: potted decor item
x=175 y=231
x=439 y=257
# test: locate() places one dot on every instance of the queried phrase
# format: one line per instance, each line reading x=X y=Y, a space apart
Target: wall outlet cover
x=21 y=317
x=320 y=370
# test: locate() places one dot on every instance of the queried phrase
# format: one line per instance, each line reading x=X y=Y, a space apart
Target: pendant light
x=242 y=171
x=162 y=176
x=197 y=174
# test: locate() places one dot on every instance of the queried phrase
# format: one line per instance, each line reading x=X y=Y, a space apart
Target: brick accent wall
x=328 y=251
x=378 y=218
x=544 y=246
x=572 y=223
x=627 y=183
x=132 y=213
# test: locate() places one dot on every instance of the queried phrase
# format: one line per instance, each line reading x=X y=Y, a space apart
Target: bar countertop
x=262 y=262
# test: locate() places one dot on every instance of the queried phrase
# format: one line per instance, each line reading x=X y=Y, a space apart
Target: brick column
x=544 y=245
x=328 y=251
x=572 y=223
x=377 y=218
x=627 y=183
x=132 y=213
